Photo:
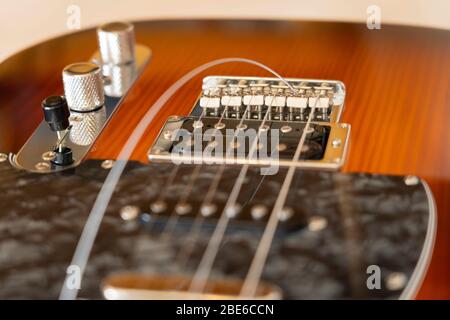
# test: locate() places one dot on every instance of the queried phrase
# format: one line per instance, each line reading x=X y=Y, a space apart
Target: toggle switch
x=56 y=114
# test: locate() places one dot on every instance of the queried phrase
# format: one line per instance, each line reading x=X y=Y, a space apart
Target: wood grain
x=397 y=80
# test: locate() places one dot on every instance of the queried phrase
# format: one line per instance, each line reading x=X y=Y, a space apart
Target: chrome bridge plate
x=180 y=142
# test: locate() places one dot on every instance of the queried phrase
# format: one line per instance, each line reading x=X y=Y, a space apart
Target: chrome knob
x=86 y=126
x=116 y=42
x=120 y=78
x=83 y=86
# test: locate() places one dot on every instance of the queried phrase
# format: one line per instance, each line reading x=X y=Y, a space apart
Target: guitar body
x=398 y=90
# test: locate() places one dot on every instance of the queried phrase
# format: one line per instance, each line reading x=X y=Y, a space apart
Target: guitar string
x=95 y=217
x=173 y=218
x=172 y=176
x=259 y=260
x=203 y=270
x=215 y=183
x=194 y=232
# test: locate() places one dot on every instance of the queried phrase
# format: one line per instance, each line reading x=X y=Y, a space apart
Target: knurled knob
x=116 y=42
x=83 y=86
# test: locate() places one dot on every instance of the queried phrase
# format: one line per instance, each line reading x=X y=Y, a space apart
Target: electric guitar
x=226 y=159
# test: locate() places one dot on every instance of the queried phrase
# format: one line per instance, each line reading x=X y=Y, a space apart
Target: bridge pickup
x=233 y=141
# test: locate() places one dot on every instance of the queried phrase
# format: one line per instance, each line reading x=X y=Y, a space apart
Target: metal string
x=195 y=229
x=173 y=218
x=91 y=227
x=254 y=274
x=203 y=270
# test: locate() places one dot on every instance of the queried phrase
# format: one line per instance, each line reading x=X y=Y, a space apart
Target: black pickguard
x=372 y=219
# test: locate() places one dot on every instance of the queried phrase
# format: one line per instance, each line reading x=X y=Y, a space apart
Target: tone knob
x=116 y=42
x=86 y=126
x=83 y=86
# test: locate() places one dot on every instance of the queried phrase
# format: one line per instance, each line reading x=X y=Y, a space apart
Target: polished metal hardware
x=93 y=90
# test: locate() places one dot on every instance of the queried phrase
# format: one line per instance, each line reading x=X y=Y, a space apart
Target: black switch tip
x=56 y=112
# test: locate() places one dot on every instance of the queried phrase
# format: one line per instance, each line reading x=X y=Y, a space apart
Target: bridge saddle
x=258 y=121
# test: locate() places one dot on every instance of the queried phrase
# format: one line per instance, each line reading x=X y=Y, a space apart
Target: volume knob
x=83 y=86
x=116 y=42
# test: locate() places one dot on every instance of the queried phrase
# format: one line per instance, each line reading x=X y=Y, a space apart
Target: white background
x=26 y=22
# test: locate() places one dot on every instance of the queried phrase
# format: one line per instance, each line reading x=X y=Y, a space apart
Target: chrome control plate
x=35 y=154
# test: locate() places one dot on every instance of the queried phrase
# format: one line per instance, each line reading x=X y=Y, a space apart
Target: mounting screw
x=183 y=208
x=396 y=281
x=219 y=125
x=232 y=211
x=241 y=126
x=208 y=209
x=158 y=206
x=286 y=129
x=174 y=118
x=197 y=124
x=259 y=211
x=310 y=130
x=281 y=147
x=107 y=164
x=317 y=223
x=129 y=212
x=42 y=166
x=3 y=157
x=167 y=135
x=49 y=155
x=285 y=214
x=336 y=143
x=411 y=180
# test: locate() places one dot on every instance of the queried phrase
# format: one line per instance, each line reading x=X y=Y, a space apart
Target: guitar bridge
x=258 y=121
